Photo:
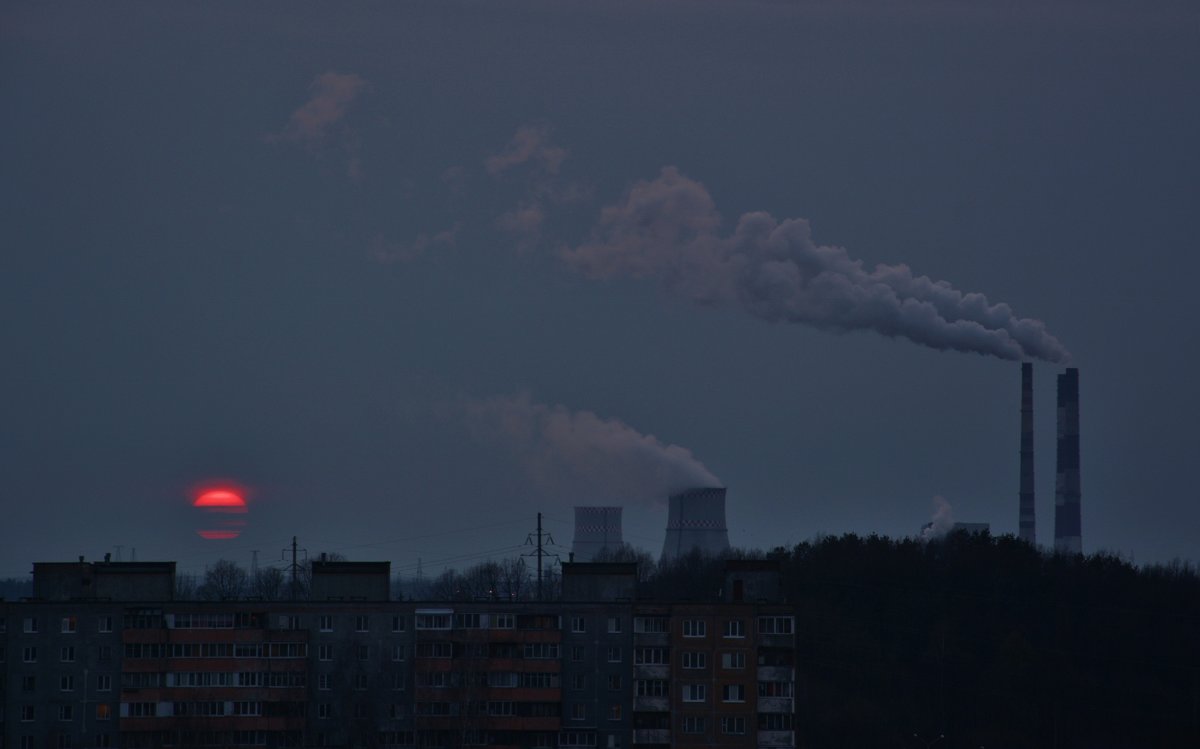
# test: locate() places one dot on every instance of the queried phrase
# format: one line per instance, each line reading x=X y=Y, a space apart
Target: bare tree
x=223 y=581
x=185 y=587
x=269 y=584
x=514 y=579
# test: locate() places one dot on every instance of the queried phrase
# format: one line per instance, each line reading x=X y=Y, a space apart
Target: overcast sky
x=411 y=272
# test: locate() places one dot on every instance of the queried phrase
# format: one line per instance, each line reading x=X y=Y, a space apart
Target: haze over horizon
x=409 y=274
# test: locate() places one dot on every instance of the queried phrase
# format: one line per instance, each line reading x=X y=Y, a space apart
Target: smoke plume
x=582 y=457
x=668 y=229
x=942 y=521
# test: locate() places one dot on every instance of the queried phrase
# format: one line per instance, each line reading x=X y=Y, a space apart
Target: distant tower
x=1068 y=525
x=596 y=529
x=1026 y=508
x=696 y=520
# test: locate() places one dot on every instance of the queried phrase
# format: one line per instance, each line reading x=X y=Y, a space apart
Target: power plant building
x=597 y=529
x=696 y=521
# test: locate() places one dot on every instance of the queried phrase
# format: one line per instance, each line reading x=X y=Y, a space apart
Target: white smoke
x=668 y=229
x=582 y=457
x=942 y=521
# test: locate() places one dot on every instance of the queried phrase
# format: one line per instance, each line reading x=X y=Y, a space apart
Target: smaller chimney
x=108 y=556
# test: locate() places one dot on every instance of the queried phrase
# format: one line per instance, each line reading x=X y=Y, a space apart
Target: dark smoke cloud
x=580 y=457
x=668 y=229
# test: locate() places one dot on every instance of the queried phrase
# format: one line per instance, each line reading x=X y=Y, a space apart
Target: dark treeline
x=990 y=643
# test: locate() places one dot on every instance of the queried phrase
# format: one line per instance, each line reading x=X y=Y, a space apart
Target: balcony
x=776 y=673
x=775 y=705
x=652 y=704
x=651 y=672
x=776 y=641
x=652 y=736
x=776 y=738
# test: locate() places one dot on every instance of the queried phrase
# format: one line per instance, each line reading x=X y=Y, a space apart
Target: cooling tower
x=696 y=520
x=596 y=529
x=1027 y=518
x=1068 y=525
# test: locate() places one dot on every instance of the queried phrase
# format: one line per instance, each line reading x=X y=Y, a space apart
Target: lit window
x=103 y=712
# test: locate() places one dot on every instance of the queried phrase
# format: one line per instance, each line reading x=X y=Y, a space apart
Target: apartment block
x=121 y=663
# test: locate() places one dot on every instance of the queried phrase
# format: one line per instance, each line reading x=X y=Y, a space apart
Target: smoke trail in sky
x=579 y=456
x=668 y=229
x=942 y=521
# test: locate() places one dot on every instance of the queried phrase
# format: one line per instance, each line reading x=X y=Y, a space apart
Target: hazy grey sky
x=411 y=272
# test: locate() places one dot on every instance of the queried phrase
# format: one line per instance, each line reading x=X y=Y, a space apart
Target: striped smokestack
x=1068 y=525
x=1027 y=518
x=596 y=529
x=696 y=520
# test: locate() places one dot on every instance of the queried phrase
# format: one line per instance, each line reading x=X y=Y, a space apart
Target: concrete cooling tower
x=596 y=529
x=696 y=520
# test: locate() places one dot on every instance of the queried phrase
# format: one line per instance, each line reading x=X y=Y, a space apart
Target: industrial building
x=104 y=656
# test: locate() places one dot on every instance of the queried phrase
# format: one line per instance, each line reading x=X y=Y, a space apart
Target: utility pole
x=539 y=551
x=119 y=547
x=295 y=564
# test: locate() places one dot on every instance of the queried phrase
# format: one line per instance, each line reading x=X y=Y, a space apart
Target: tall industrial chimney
x=696 y=520
x=1027 y=517
x=1068 y=525
x=596 y=529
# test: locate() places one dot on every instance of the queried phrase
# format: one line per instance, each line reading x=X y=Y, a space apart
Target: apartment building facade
x=598 y=669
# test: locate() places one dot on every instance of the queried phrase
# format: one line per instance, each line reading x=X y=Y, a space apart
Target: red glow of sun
x=221 y=500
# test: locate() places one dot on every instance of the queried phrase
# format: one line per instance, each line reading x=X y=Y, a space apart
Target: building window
x=504 y=621
x=66 y=683
x=104 y=624
x=29 y=654
x=362 y=623
x=577 y=653
x=695 y=660
x=103 y=712
x=360 y=682
x=578 y=624
x=67 y=655
x=68 y=625
x=693 y=724
x=398 y=624
x=695 y=628
x=733 y=693
x=467 y=621
x=650 y=625
x=578 y=682
x=289 y=621
x=28 y=683
x=65 y=712
x=104 y=654
x=614 y=712
x=614 y=655
x=614 y=682
x=398 y=681
x=64 y=741
x=324 y=652
x=323 y=682
x=325 y=623
x=432 y=620
x=323 y=711
x=360 y=710
x=364 y=652
x=650 y=657
x=776 y=625
x=735 y=628
x=27 y=713
x=650 y=688
x=104 y=683
x=614 y=624
x=578 y=711
x=30 y=625
x=734 y=726
x=399 y=652
x=775 y=721
x=733 y=660
x=695 y=692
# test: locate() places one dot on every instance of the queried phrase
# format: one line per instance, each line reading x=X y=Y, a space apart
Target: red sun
x=221 y=503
